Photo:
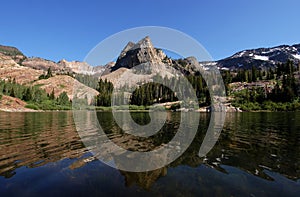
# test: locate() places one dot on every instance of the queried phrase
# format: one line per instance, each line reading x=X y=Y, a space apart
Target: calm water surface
x=257 y=154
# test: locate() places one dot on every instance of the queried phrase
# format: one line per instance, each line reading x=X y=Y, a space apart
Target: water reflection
x=253 y=149
x=35 y=139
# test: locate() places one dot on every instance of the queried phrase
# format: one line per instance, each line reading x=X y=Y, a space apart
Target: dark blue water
x=257 y=154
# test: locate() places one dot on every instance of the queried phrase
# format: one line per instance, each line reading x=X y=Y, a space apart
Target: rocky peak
x=126 y=48
x=144 y=43
x=137 y=53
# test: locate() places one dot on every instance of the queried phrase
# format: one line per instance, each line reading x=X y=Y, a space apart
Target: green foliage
x=88 y=80
x=32 y=106
x=135 y=107
x=174 y=107
x=48 y=75
x=151 y=93
x=105 y=89
x=269 y=106
x=11 y=88
x=102 y=108
x=52 y=96
x=63 y=99
x=36 y=97
x=283 y=97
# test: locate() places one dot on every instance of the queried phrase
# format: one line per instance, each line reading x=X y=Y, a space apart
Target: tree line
x=36 y=97
x=284 y=91
x=283 y=96
x=154 y=92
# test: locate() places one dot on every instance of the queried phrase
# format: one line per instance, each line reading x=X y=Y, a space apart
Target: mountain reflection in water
x=257 y=153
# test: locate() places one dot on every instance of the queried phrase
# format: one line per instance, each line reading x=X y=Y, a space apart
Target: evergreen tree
x=52 y=95
x=27 y=95
x=49 y=73
x=63 y=99
x=12 y=92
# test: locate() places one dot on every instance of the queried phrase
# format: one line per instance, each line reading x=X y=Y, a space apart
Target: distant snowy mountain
x=261 y=57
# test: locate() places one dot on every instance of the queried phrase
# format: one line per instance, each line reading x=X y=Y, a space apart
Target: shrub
x=32 y=106
x=175 y=106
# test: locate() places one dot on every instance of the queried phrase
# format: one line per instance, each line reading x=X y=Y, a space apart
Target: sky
x=69 y=29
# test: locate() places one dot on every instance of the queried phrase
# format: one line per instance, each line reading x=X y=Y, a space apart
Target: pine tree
x=49 y=73
x=63 y=99
x=12 y=92
x=27 y=95
x=52 y=95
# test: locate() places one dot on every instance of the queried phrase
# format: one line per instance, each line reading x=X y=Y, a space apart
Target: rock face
x=152 y=62
x=63 y=66
x=81 y=67
x=9 y=69
x=42 y=64
x=141 y=52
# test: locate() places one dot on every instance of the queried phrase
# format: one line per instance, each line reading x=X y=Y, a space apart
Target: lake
x=257 y=154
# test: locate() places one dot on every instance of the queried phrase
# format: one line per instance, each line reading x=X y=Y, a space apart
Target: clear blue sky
x=56 y=29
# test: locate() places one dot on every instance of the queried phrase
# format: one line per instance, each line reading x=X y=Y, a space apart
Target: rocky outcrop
x=63 y=66
x=42 y=64
x=151 y=62
x=9 y=69
x=141 y=52
x=81 y=67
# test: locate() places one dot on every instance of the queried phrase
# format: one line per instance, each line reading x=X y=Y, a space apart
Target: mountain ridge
x=61 y=76
x=263 y=57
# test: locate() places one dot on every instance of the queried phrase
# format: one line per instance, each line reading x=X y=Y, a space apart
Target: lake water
x=257 y=154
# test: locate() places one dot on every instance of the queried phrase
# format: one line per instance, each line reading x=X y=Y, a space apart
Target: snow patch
x=240 y=54
x=274 y=49
x=209 y=64
x=224 y=68
x=297 y=56
x=260 y=57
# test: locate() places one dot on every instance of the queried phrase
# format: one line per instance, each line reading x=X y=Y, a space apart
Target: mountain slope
x=9 y=69
x=28 y=73
x=261 y=57
x=64 y=83
x=11 y=104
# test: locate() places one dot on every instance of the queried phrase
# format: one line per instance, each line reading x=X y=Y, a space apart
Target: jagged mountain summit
x=152 y=61
x=143 y=52
x=137 y=53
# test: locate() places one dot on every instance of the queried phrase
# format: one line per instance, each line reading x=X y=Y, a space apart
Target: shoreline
x=133 y=110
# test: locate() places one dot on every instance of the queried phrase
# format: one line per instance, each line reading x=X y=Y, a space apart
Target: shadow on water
x=256 y=154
